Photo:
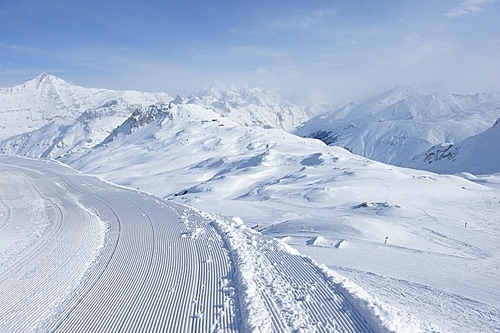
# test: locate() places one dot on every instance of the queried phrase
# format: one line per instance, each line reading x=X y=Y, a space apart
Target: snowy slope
x=397 y=125
x=63 y=134
x=478 y=154
x=334 y=206
x=46 y=98
x=109 y=259
x=251 y=106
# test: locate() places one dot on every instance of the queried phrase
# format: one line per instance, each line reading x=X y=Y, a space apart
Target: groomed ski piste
x=81 y=255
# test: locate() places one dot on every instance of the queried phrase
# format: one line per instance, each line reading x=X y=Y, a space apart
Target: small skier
x=465 y=224
x=386 y=238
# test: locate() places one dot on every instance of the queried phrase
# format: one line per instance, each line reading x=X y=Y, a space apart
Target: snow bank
x=384 y=318
x=256 y=318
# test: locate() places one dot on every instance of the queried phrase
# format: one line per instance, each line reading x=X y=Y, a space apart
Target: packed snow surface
x=403 y=250
x=333 y=206
x=80 y=255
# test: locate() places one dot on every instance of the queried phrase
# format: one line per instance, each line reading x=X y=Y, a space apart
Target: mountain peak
x=44 y=81
x=46 y=78
x=42 y=76
x=396 y=93
x=47 y=98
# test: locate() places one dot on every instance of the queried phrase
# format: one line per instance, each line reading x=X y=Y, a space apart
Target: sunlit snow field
x=335 y=207
x=112 y=259
x=262 y=229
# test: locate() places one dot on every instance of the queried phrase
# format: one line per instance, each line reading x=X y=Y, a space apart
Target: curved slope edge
x=115 y=260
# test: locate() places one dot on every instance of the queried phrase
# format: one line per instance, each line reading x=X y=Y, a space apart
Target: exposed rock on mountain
x=478 y=154
x=98 y=116
x=395 y=126
x=46 y=98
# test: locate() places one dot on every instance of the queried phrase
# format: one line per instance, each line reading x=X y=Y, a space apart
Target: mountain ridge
x=45 y=98
x=394 y=127
x=463 y=156
x=401 y=123
x=63 y=134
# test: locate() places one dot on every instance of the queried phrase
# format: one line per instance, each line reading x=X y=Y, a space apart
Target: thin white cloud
x=469 y=7
x=301 y=20
x=14 y=47
x=294 y=20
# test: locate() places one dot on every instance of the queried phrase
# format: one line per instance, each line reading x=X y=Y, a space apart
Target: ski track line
x=5 y=210
x=295 y=293
x=315 y=295
x=213 y=262
x=166 y=267
x=139 y=258
x=33 y=272
x=158 y=271
x=31 y=250
x=95 y=274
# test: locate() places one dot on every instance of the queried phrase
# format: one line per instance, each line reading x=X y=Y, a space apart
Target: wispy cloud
x=14 y=47
x=300 y=20
x=292 y=20
x=469 y=7
x=324 y=51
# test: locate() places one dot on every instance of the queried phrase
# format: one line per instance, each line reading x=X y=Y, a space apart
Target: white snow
x=478 y=154
x=307 y=219
x=140 y=273
x=401 y=123
x=301 y=189
x=45 y=234
x=48 y=99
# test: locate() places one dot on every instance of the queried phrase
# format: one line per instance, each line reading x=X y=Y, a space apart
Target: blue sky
x=307 y=51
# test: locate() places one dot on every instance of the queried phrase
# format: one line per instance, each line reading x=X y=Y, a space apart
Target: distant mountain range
x=478 y=154
x=48 y=117
x=401 y=123
x=46 y=98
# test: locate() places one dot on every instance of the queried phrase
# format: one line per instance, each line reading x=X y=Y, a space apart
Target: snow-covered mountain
x=65 y=136
x=47 y=98
x=251 y=106
x=69 y=129
x=395 y=126
x=333 y=206
x=478 y=154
